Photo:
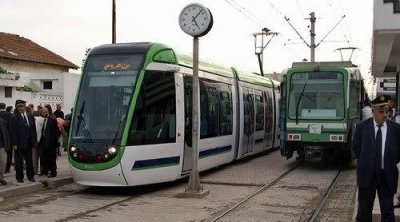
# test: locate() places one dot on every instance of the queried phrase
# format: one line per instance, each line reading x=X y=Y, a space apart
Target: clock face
x=195 y=20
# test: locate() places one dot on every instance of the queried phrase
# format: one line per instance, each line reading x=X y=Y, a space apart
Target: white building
x=34 y=74
x=386 y=40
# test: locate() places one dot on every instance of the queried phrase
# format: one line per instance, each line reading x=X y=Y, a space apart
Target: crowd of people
x=31 y=139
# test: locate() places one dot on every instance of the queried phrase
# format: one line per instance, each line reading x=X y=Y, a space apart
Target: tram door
x=248 y=120
x=187 y=152
x=269 y=117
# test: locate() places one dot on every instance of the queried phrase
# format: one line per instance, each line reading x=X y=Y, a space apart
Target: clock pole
x=191 y=26
x=194 y=179
x=113 y=23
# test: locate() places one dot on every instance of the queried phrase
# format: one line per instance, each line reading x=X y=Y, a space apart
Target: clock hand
x=194 y=20
x=197 y=14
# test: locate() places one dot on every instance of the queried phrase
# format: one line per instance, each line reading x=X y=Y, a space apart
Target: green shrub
x=2 y=70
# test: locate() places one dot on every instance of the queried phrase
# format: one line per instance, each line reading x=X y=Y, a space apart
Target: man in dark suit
x=4 y=146
x=23 y=139
x=48 y=145
x=376 y=145
x=7 y=118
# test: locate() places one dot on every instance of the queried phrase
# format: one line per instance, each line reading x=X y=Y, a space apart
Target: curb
x=54 y=183
x=41 y=185
x=21 y=190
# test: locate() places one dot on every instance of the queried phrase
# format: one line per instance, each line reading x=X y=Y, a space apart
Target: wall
x=71 y=84
x=384 y=19
x=64 y=84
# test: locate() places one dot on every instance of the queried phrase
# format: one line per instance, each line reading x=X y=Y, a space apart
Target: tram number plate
x=315 y=128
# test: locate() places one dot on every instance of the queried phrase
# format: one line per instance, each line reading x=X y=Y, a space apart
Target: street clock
x=195 y=20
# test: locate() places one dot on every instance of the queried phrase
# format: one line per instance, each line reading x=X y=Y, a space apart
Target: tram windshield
x=104 y=96
x=316 y=95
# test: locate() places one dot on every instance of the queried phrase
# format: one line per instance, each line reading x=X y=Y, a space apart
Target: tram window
x=354 y=103
x=226 y=114
x=188 y=109
x=216 y=110
x=269 y=107
x=209 y=110
x=259 y=111
x=248 y=112
x=154 y=118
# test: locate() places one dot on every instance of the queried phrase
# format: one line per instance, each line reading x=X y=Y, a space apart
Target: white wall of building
x=63 y=84
x=71 y=84
x=384 y=18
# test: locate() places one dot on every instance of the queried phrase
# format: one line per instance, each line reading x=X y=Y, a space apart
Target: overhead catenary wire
x=301 y=8
x=276 y=9
x=330 y=31
x=245 y=12
x=348 y=40
x=288 y=21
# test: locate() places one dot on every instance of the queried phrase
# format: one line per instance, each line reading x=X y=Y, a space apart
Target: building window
x=8 y=92
x=47 y=85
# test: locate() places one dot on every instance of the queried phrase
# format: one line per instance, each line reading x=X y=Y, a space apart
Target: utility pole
x=312 y=44
x=259 y=46
x=312 y=35
x=113 y=23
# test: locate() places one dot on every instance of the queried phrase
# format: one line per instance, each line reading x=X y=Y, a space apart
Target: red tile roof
x=19 y=48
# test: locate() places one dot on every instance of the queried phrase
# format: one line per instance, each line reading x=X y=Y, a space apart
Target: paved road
x=265 y=188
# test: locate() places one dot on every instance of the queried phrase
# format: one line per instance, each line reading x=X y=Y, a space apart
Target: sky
x=70 y=27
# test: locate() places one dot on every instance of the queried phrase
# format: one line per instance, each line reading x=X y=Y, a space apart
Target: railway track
x=287 y=192
x=315 y=211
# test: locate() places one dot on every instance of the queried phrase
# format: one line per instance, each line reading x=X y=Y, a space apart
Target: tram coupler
x=313 y=153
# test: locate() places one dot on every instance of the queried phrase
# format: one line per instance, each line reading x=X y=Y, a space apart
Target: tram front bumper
x=111 y=177
x=313 y=153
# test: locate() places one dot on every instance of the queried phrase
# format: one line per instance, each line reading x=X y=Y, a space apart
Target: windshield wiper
x=119 y=124
x=81 y=120
x=298 y=102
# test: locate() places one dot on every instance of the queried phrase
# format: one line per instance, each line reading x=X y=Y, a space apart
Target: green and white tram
x=132 y=118
x=319 y=109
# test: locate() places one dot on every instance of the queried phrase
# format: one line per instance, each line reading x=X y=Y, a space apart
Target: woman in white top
x=35 y=151
x=366 y=111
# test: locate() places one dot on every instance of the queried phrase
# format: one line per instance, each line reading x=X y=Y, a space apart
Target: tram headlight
x=106 y=156
x=72 y=149
x=112 y=150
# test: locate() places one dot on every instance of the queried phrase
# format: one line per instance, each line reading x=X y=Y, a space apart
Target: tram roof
x=122 y=48
x=210 y=67
x=353 y=70
x=165 y=54
x=346 y=64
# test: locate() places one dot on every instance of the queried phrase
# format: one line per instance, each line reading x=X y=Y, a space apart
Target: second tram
x=319 y=109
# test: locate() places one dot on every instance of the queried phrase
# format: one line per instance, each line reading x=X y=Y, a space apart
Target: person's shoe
x=20 y=180
x=32 y=179
x=3 y=182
